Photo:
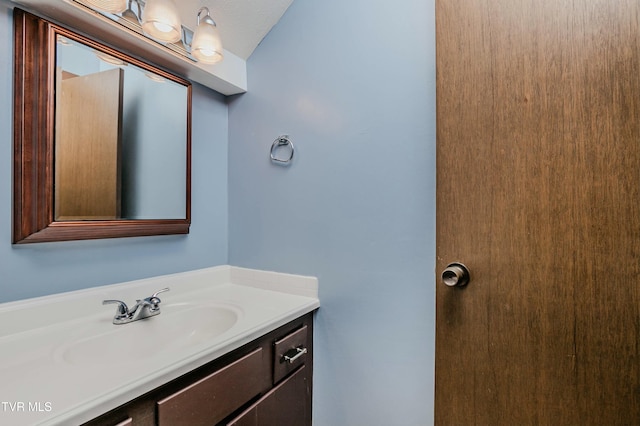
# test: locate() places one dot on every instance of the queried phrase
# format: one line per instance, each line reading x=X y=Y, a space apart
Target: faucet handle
x=155 y=300
x=122 y=311
x=160 y=291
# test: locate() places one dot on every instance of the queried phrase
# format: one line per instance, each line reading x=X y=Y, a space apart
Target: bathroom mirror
x=102 y=143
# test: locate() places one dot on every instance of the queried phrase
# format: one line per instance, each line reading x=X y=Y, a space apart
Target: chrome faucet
x=144 y=308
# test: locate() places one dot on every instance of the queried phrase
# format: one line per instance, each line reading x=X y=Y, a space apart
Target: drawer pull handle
x=298 y=352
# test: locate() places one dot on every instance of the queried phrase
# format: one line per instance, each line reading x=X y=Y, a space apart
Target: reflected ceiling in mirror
x=102 y=140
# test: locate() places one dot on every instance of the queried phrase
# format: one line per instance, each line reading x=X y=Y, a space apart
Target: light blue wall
x=39 y=269
x=353 y=84
x=154 y=113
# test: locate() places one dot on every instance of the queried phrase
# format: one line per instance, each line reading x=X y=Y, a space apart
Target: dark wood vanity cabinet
x=267 y=382
x=282 y=406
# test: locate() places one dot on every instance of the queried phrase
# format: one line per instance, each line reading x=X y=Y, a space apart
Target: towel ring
x=281 y=141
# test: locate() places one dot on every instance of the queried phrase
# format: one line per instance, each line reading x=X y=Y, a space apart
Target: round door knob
x=455 y=275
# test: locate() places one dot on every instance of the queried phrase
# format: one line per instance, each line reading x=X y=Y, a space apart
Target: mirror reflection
x=120 y=139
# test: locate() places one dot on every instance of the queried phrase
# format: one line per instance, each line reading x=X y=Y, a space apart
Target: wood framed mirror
x=102 y=140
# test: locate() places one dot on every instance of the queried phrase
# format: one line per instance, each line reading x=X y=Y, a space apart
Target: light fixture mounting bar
x=130 y=21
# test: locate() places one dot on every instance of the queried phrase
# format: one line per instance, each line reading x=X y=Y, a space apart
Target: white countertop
x=62 y=361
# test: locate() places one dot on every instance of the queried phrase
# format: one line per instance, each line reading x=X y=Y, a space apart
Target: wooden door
x=538 y=193
x=88 y=139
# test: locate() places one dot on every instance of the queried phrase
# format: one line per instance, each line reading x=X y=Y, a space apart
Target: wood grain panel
x=538 y=194
x=88 y=146
x=216 y=396
x=32 y=124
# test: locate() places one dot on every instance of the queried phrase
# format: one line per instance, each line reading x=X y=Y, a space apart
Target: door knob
x=455 y=275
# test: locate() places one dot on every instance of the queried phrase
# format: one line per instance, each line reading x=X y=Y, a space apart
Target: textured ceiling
x=242 y=23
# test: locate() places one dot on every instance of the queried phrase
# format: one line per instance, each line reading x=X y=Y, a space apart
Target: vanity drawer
x=290 y=353
x=216 y=396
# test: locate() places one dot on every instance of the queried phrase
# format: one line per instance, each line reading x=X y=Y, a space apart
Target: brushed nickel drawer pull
x=299 y=353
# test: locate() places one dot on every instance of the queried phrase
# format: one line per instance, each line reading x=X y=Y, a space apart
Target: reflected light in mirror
x=160 y=20
x=63 y=41
x=110 y=59
x=155 y=77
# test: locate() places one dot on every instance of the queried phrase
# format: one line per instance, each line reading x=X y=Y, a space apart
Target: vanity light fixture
x=111 y=6
x=206 y=46
x=130 y=19
x=160 y=20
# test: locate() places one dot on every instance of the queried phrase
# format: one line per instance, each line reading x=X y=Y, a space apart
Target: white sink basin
x=177 y=327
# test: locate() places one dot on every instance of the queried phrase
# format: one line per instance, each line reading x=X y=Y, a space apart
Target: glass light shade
x=160 y=20
x=111 y=60
x=110 y=6
x=206 y=45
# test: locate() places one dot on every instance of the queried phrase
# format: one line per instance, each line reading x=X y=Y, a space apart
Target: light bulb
x=160 y=20
x=163 y=27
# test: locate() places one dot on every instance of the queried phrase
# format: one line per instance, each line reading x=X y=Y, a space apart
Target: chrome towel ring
x=282 y=143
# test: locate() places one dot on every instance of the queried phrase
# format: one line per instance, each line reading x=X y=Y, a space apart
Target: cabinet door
x=88 y=145
x=288 y=404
